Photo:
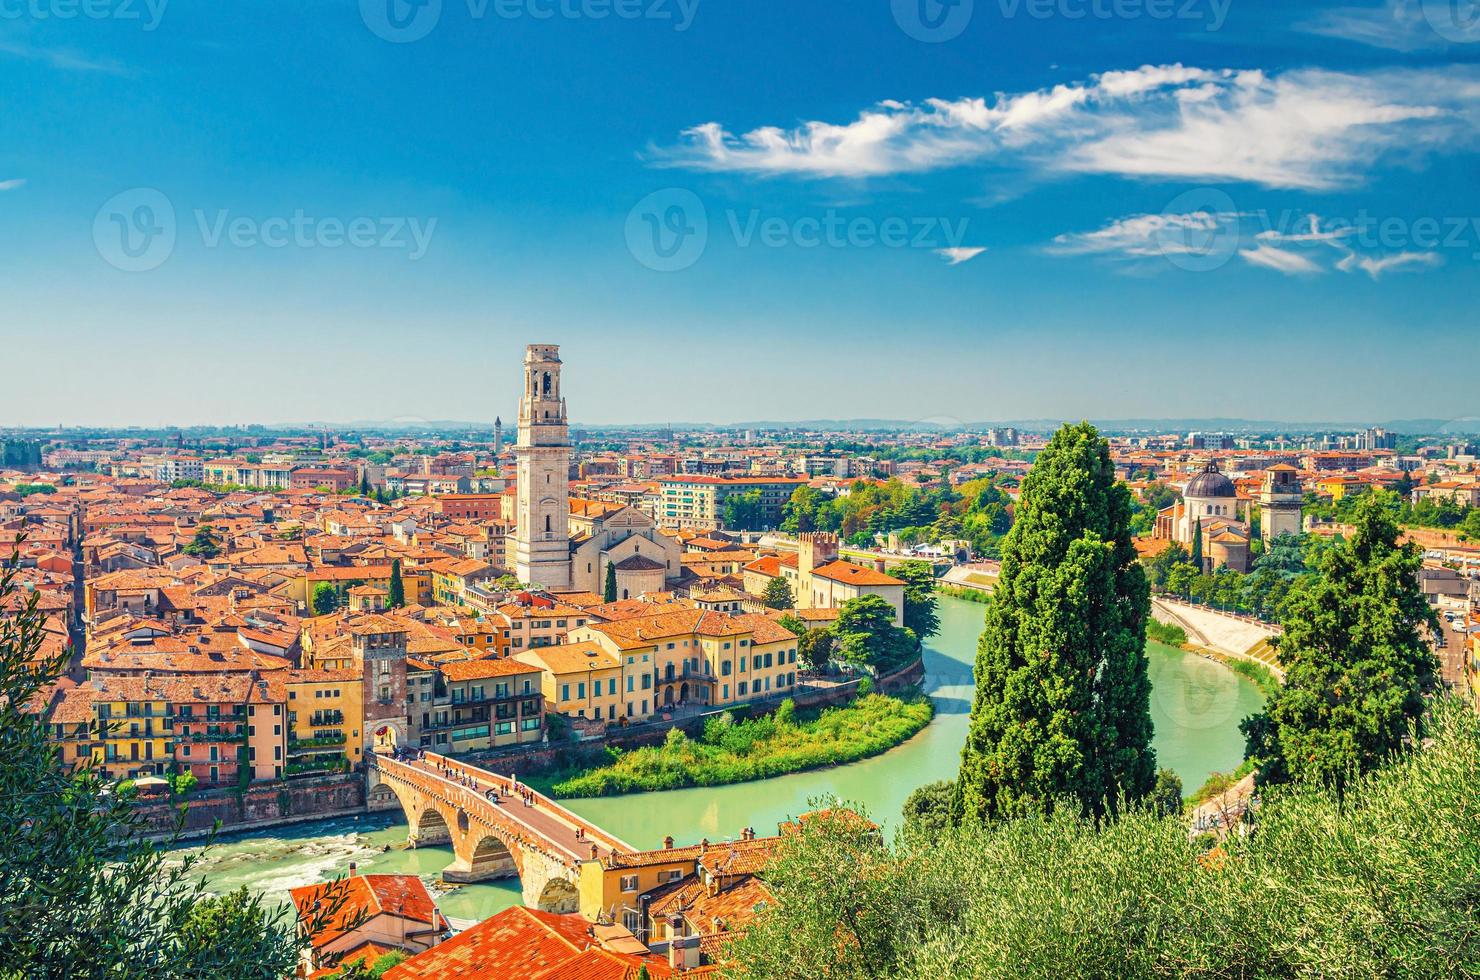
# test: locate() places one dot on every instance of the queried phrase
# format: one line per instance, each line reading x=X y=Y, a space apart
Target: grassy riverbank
x=759 y=748
x=1169 y=633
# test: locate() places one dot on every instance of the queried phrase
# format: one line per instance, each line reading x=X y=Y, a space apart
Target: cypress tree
x=397 y=597
x=1063 y=699
x=609 y=591
x=1356 y=664
x=1197 y=551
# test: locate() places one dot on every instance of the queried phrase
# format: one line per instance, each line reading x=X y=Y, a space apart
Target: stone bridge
x=497 y=828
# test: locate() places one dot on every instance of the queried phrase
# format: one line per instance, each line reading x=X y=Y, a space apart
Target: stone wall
x=263 y=804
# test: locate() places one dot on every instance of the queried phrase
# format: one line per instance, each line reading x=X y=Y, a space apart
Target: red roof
x=518 y=942
x=368 y=895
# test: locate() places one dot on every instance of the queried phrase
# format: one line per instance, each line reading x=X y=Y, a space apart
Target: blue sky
x=726 y=210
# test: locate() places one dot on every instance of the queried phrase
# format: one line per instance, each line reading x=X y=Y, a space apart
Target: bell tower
x=542 y=535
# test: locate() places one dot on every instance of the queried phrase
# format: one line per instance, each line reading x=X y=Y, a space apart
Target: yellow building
x=326 y=714
x=695 y=656
x=580 y=680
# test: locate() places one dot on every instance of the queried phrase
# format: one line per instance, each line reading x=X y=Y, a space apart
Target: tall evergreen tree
x=1063 y=699
x=1356 y=664
x=1197 y=548
x=778 y=594
x=397 y=597
x=920 y=612
x=609 y=589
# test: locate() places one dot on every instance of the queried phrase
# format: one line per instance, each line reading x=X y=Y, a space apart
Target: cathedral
x=561 y=544
x=1209 y=508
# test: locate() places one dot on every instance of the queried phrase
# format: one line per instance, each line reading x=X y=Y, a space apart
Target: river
x=1196 y=706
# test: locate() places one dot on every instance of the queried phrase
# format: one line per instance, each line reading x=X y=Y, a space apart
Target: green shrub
x=1169 y=633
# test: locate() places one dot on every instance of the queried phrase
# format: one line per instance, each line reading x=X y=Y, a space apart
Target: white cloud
x=957 y=256
x=1150 y=235
x=1330 y=237
x=1397 y=25
x=1378 y=266
x=1201 y=238
x=1280 y=260
x=1307 y=128
x=12 y=185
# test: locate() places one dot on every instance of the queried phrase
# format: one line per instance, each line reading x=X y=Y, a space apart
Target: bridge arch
x=485 y=844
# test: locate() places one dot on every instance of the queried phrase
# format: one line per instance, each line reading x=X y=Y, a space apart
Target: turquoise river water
x=1196 y=705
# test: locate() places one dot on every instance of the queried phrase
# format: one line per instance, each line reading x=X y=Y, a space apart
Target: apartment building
x=697 y=502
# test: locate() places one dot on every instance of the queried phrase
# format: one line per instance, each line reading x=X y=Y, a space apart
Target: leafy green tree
x=1284 y=556
x=867 y=637
x=743 y=511
x=609 y=588
x=919 y=597
x=778 y=594
x=1166 y=795
x=397 y=589
x=325 y=599
x=84 y=894
x=1356 y=663
x=928 y=809
x=206 y=543
x=1159 y=569
x=1063 y=698
x=815 y=648
x=794 y=623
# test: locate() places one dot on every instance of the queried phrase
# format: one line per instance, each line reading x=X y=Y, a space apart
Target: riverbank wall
x=264 y=805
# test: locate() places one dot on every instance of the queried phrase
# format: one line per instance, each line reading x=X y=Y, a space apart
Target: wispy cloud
x=1290 y=263
x=957 y=256
x=1150 y=235
x=1208 y=237
x=12 y=185
x=63 y=59
x=1307 y=129
x=1397 y=25
x=1379 y=266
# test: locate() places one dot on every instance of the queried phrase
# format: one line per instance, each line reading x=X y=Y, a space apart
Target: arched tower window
x=547 y=523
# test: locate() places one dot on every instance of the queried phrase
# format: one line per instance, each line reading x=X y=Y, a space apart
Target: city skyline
x=1212 y=211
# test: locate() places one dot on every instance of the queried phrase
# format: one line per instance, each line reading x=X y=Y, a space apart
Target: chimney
x=352 y=869
x=668 y=843
x=683 y=951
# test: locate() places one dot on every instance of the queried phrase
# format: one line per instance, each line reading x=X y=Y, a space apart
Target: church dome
x=1210 y=483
